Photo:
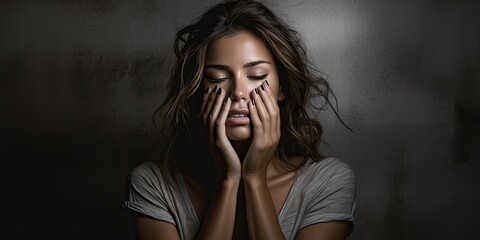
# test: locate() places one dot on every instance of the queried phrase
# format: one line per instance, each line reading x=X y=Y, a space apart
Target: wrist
x=254 y=178
x=229 y=181
x=223 y=175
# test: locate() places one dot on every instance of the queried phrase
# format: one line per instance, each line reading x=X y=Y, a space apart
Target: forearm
x=220 y=218
x=261 y=215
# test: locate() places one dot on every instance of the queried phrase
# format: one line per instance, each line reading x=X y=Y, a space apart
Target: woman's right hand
x=214 y=112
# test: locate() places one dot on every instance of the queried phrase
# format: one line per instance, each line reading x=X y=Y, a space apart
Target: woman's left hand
x=265 y=117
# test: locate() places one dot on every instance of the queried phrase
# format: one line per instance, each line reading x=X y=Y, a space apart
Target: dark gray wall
x=80 y=81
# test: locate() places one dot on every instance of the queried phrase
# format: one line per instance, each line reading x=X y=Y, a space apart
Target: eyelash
x=217 y=80
x=261 y=77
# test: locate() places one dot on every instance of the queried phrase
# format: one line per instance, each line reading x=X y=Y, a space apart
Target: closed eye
x=215 y=80
x=261 y=77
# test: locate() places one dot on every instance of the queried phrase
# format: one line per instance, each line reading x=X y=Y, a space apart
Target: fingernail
x=215 y=88
x=206 y=90
x=263 y=88
x=253 y=102
x=267 y=83
x=226 y=98
x=256 y=91
x=219 y=91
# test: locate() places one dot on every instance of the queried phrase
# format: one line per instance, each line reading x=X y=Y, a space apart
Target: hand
x=265 y=117
x=214 y=111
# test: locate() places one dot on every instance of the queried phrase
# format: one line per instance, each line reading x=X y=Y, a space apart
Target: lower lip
x=238 y=120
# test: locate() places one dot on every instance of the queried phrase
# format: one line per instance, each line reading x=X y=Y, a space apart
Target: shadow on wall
x=69 y=140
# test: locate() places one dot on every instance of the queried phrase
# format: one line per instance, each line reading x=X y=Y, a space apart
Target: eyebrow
x=251 y=64
x=246 y=65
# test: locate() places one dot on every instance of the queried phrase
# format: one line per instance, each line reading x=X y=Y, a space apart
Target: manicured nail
x=219 y=91
x=226 y=98
x=267 y=83
x=256 y=91
x=215 y=88
x=253 y=102
x=206 y=90
x=263 y=88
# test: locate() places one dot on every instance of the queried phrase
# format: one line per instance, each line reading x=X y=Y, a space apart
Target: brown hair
x=300 y=81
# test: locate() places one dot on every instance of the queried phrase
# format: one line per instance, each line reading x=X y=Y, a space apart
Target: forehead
x=239 y=47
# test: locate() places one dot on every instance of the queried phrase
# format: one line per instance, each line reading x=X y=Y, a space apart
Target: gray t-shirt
x=323 y=191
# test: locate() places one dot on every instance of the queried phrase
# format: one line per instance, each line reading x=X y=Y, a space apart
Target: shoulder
x=328 y=176
x=148 y=175
x=147 y=192
x=147 y=167
x=329 y=188
x=146 y=170
x=328 y=168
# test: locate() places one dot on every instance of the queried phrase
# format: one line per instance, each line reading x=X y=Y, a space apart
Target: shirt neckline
x=291 y=192
x=193 y=214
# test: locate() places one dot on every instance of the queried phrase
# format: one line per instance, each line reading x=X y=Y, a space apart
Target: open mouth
x=237 y=115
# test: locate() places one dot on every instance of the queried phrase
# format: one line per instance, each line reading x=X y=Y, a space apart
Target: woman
x=243 y=162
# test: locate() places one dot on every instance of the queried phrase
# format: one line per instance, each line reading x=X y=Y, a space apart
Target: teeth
x=237 y=115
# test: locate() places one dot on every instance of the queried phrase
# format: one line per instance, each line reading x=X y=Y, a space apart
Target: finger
x=256 y=122
x=261 y=109
x=209 y=104
x=206 y=94
x=222 y=118
x=269 y=90
x=272 y=108
x=220 y=94
x=271 y=103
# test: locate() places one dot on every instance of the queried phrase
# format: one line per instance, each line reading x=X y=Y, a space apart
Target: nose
x=239 y=89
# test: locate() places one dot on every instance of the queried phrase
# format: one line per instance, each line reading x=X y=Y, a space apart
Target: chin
x=238 y=133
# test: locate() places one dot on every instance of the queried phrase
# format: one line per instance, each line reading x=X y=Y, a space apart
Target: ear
x=281 y=94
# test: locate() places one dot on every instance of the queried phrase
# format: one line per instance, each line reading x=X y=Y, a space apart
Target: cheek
x=274 y=87
x=206 y=84
x=222 y=84
x=252 y=85
x=274 y=90
x=256 y=84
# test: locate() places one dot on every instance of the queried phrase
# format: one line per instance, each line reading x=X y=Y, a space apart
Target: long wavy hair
x=301 y=82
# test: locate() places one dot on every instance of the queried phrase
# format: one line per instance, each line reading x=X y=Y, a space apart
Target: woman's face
x=239 y=63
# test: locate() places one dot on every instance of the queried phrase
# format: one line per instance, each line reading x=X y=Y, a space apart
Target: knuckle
x=265 y=145
x=273 y=137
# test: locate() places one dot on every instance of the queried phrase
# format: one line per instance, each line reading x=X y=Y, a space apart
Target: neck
x=241 y=148
x=202 y=169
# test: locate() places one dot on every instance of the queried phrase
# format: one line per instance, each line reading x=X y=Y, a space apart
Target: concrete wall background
x=81 y=79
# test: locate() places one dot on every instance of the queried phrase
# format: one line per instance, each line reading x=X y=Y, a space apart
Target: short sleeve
x=333 y=195
x=145 y=192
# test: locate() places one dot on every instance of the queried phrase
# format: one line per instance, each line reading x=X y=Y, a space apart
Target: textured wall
x=80 y=81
